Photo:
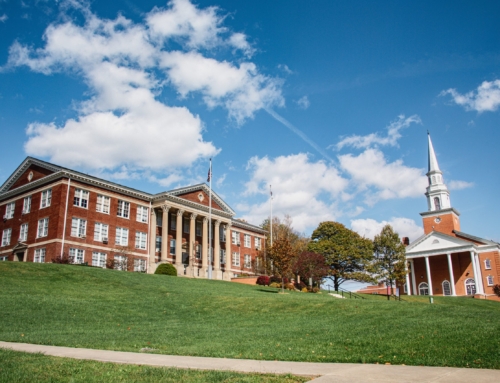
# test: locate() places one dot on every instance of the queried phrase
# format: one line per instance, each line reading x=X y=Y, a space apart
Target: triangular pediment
x=29 y=171
x=437 y=242
x=19 y=246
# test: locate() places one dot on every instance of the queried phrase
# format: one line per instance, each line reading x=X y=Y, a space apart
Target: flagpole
x=210 y=223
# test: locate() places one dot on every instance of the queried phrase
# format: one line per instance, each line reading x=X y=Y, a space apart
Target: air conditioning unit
x=81 y=236
x=105 y=240
x=5 y=217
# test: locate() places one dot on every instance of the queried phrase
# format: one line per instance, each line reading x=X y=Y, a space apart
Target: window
x=235 y=238
x=172 y=246
x=158 y=243
x=487 y=264
x=27 y=205
x=9 y=210
x=121 y=236
x=102 y=205
x=76 y=255
x=173 y=221
x=198 y=251
x=247 y=240
x=446 y=288
x=437 y=204
x=142 y=214
x=159 y=218
x=257 y=243
x=248 y=261
x=81 y=198
x=222 y=233
x=6 y=237
x=236 y=259
x=123 y=209
x=100 y=232
x=140 y=240
x=423 y=289
x=489 y=280
x=78 y=227
x=43 y=228
x=4 y=258
x=222 y=256
x=99 y=259
x=23 y=232
x=120 y=262
x=198 y=228
x=405 y=289
x=185 y=223
x=39 y=256
x=470 y=286
x=140 y=265
x=46 y=198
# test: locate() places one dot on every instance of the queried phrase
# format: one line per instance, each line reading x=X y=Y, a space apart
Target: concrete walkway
x=324 y=372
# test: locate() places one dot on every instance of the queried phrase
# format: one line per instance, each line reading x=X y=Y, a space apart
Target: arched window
x=446 y=288
x=423 y=289
x=437 y=203
x=433 y=179
x=470 y=286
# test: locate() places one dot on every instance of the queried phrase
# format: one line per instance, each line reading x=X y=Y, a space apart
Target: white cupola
x=438 y=196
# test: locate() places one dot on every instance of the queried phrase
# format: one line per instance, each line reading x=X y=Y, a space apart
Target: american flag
x=209 y=171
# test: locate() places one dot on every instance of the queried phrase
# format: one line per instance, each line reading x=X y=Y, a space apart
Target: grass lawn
x=24 y=367
x=107 y=309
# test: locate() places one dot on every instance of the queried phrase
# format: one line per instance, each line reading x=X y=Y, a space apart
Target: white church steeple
x=438 y=196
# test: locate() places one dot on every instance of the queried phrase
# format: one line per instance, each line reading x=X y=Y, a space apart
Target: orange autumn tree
x=282 y=255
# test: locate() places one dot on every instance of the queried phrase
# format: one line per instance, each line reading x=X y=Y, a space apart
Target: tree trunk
x=336 y=283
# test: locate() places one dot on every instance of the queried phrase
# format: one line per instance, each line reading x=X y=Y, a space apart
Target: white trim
x=420 y=287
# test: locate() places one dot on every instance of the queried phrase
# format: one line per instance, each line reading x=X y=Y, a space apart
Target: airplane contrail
x=299 y=133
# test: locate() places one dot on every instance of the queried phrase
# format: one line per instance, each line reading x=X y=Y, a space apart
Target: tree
x=281 y=254
x=390 y=256
x=348 y=255
x=311 y=265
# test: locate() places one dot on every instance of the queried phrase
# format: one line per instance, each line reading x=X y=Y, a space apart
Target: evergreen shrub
x=166 y=269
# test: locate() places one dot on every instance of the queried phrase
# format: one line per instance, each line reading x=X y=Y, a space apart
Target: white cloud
x=486 y=98
x=122 y=64
x=382 y=180
x=393 y=134
x=220 y=180
x=285 y=68
x=459 y=185
x=303 y=102
x=3 y=18
x=405 y=227
x=299 y=189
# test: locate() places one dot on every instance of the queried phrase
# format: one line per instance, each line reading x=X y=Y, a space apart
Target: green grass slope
x=107 y=309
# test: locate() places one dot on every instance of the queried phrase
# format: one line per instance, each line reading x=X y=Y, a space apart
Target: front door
x=470 y=286
x=19 y=257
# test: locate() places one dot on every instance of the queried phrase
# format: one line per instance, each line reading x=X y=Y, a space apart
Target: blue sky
x=328 y=101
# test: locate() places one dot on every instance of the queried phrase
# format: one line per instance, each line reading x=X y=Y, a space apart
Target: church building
x=49 y=211
x=446 y=260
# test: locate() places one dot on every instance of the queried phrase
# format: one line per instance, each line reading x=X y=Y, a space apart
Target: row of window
x=470 y=286
x=81 y=199
x=42 y=231
x=247 y=260
x=247 y=240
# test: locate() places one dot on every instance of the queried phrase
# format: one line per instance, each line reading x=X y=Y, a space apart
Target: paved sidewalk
x=325 y=372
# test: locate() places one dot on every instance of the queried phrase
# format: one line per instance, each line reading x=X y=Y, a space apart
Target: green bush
x=166 y=269
x=275 y=284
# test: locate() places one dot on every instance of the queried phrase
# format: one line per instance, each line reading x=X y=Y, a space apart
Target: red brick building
x=50 y=211
x=445 y=260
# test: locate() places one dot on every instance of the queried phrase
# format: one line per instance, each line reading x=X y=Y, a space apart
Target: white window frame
x=123 y=210
x=103 y=204
x=235 y=237
x=140 y=265
x=39 y=256
x=487 y=264
x=422 y=287
x=247 y=240
x=172 y=246
x=43 y=228
x=6 y=234
x=81 y=198
x=9 y=210
x=121 y=236
x=46 y=198
x=158 y=243
x=120 y=262
x=444 y=289
x=235 y=259
x=99 y=259
x=173 y=222
x=489 y=280
x=23 y=232
x=101 y=231
x=142 y=214
x=26 y=205
x=141 y=239
x=247 y=261
x=78 y=227
x=77 y=256
x=257 y=242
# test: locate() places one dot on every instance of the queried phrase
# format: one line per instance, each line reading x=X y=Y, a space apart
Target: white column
x=178 y=243
x=408 y=290
x=152 y=242
x=164 y=233
x=429 y=280
x=204 y=249
x=229 y=256
x=192 y=232
x=479 y=275
x=216 y=257
x=474 y=270
x=452 y=278
x=413 y=281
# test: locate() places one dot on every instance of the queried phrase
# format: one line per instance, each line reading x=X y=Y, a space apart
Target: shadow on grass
x=268 y=291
